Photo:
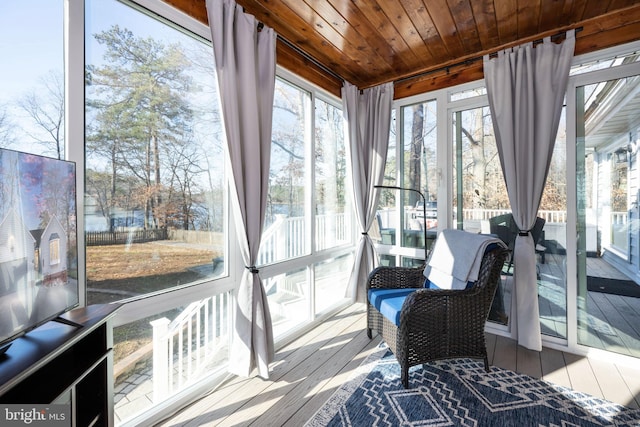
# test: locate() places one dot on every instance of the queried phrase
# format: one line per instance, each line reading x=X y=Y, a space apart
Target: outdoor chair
x=505 y=228
x=422 y=324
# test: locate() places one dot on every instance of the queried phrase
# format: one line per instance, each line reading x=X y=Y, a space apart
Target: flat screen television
x=38 y=241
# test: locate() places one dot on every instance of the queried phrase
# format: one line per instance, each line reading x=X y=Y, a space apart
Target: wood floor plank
x=627 y=313
x=292 y=403
x=528 y=362
x=582 y=376
x=611 y=382
x=626 y=339
x=631 y=378
x=232 y=396
x=594 y=334
x=554 y=368
x=505 y=353
x=322 y=393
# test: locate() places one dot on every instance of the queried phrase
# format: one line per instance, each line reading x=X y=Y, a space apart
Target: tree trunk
x=415 y=153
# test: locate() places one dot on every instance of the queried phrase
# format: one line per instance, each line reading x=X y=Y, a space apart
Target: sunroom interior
x=128 y=90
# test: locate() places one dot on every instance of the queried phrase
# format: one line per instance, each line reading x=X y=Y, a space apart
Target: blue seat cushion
x=389 y=302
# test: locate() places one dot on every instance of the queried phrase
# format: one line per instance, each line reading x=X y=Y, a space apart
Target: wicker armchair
x=436 y=323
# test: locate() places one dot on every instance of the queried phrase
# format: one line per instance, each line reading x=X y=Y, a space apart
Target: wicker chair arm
x=422 y=302
x=396 y=278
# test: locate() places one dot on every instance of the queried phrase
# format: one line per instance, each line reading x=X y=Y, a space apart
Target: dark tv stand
x=67 y=362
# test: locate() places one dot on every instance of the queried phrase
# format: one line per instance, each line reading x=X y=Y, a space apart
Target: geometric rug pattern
x=460 y=392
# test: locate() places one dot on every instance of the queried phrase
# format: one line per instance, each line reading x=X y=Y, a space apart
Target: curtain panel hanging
x=526 y=87
x=246 y=67
x=368 y=117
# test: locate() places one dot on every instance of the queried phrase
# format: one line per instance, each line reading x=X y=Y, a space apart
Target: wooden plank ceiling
x=422 y=45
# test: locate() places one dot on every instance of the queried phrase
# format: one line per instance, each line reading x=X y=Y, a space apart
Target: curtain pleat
x=526 y=87
x=246 y=64
x=368 y=117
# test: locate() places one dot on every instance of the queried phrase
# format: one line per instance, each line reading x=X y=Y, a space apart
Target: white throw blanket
x=456 y=258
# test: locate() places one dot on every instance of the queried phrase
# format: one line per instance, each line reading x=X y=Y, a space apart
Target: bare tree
x=45 y=106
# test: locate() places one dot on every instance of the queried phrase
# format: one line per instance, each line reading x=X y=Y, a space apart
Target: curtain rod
x=470 y=61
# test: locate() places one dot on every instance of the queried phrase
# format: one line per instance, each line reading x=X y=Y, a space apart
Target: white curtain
x=526 y=87
x=368 y=117
x=246 y=65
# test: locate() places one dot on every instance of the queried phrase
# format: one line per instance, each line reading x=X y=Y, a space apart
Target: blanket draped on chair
x=456 y=257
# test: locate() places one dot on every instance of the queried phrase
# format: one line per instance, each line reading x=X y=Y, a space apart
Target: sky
x=32 y=46
x=17 y=40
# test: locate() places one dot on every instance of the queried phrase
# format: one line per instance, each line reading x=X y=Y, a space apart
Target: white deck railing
x=192 y=342
x=485 y=214
x=285 y=237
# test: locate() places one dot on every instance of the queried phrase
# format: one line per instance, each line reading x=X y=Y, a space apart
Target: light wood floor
x=309 y=370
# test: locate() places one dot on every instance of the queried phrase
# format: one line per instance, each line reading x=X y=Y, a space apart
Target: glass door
x=480 y=200
x=608 y=188
x=481 y=205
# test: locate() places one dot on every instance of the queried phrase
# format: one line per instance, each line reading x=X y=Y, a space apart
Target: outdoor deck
x=310 y=369
x=612 y=321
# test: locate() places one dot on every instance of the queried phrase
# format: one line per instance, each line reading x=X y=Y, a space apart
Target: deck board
x=632 y=380
x=310 y=369
x=554 y=368
x=613 y=321
x=582 y=376
x=528 y=362
x=610 y=381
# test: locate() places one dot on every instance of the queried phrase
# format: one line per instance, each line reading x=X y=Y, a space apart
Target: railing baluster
x=161 y=358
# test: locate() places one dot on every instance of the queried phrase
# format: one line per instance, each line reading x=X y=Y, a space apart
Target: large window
x=478 y=186
x=608 y=137
x=154 y=185
x=480 y=203
x=333 y=221
x=414 y=208
x=154 y=200
x=305 y=247
x=286 y=223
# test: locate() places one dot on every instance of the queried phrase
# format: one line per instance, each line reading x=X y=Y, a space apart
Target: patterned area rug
x=461 y=393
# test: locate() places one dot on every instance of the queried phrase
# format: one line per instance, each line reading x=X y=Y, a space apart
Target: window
x=419 y=142
x=54 y=249
x=305 y=247
x=330 y=279
x=32 y=77
x=155 y=192
x=332 y=221
x=286 y=222
x=479 y=189
x=607 y=192
x=154 y=216
x=413 y=209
